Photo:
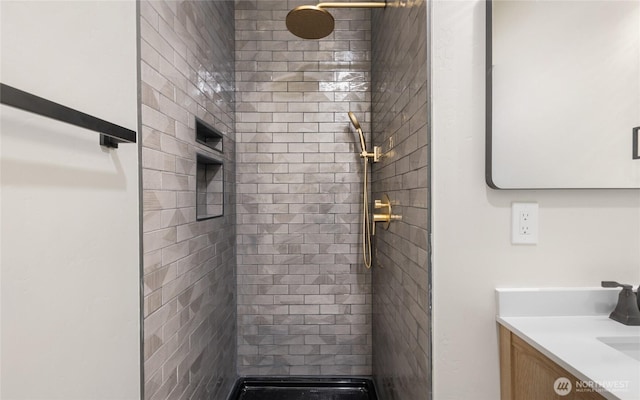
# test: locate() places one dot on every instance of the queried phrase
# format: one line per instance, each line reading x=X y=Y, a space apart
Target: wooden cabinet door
x=534 y=377
x=527 y=374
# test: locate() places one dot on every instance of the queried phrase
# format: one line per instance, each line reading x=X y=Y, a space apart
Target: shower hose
x=366 y=229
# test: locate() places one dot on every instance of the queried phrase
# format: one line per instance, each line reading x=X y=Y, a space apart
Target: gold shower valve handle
x=386 y=214
x=380 y=204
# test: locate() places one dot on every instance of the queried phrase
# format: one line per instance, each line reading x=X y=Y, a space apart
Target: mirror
x=563 y=94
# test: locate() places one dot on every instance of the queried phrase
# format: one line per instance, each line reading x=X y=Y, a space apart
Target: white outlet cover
x=524 y=223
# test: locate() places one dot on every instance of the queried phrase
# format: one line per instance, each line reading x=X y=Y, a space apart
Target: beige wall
x=585 y=235
x=70 y=248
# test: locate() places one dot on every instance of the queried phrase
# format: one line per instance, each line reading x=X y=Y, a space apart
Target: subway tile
x=335 y=309
x=287 y=97
x=289 y=280
x=304 y=289
x=352 y=339
x=288 y=158
x=320 y=339
x=273 y=310
x=304 y=349
x=167 y=113
x=314 y=229
x=290 y=299
x=282 y=319
x=159 y=239
x=273 y=270
x=273 y=350
x=304 y=329
x=257 y=320
x=273 y=329
x=319 y=299
x=335 y=349
x=320 y=320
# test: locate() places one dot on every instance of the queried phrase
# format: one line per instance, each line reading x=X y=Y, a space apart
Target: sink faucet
x=627 y=310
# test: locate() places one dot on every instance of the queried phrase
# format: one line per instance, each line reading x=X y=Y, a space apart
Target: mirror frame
x=489 y=118
x=488 y=170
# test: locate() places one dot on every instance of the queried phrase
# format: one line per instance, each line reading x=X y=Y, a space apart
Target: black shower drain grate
x=304 y=389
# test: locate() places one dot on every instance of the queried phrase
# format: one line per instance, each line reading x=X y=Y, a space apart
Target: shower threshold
x=303 y=388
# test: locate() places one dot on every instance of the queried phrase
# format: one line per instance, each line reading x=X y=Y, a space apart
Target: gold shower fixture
x=315 y=22
x=377 y=150
x=386 y=215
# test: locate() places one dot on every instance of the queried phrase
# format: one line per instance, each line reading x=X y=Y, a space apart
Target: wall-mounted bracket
x=636 y=151
x=375 y=156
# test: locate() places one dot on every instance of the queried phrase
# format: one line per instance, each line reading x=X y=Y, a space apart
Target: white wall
x=585 y=235
x=69 y=208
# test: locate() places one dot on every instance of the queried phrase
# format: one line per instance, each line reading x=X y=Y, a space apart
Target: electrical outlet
x=524 y=223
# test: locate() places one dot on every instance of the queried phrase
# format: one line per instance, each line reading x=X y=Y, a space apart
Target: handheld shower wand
x=385 y=217
x=356 y=125
x=377 y=150
x=366 y=222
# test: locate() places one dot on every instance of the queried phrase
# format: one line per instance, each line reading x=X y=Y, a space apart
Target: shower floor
x=304 y=389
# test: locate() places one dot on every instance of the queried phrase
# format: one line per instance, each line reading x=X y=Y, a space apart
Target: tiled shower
x=276 y=286
x=304 y=297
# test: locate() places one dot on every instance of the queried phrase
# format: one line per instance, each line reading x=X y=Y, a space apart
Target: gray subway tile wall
x=304 y=295
x=187 y=70
x=288 y=244
x=402 y=318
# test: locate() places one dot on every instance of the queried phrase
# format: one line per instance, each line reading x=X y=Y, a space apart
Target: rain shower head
x=356 y=125
x=310 y=22
x=314 y=22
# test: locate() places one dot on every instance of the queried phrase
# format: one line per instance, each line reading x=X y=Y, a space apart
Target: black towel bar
x=636 y=153
x=110 y=134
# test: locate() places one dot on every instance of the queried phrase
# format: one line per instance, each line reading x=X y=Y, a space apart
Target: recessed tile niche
x=208 y=136
x=209 y=174
x=209 y=187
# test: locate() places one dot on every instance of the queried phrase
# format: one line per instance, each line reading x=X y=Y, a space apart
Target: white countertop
x=565 y=324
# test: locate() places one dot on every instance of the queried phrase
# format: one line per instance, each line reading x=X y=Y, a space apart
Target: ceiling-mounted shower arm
x=366 y=4
x=315 y=22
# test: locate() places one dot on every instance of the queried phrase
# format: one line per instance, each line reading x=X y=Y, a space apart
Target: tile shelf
x=209 y=173
x=209 y=187
x=208 y=136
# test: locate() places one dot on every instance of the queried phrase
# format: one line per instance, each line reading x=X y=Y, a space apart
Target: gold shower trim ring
x=386 y=215
x=314 y=22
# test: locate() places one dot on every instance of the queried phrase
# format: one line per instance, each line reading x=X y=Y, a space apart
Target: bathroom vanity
x=561 y=344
